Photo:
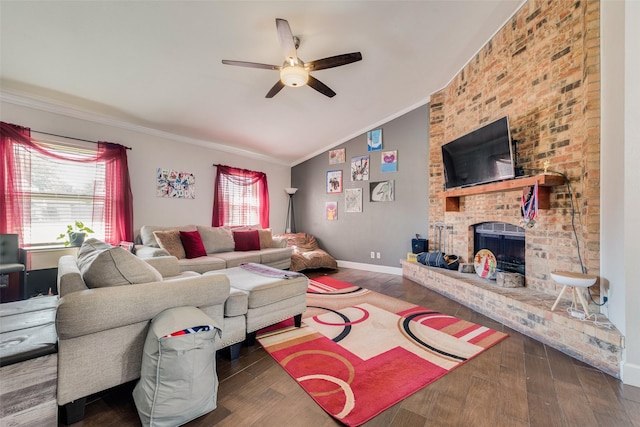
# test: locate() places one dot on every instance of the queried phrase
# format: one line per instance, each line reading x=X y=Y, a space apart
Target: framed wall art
x=331 y=211
x=360 y=168
x=175 y=184
x=353 y=200
x=334 y=182
x=389 y=160
x=374 y=140
x=337 y=156
x=382 y=191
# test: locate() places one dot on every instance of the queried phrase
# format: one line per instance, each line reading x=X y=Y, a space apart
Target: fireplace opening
x=505 y=241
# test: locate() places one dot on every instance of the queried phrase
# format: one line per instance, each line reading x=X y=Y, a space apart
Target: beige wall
x=151 y=150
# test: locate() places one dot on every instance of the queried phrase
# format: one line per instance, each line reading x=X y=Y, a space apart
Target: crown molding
x=64 y=109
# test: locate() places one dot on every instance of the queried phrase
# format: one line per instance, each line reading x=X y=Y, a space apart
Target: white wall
x=620 y=199
x=631 y=370
x=151 y=150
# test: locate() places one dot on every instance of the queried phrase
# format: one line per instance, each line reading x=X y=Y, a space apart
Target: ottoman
x=272 y=295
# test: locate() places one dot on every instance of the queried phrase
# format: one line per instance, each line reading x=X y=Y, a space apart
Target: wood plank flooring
x=519 y=382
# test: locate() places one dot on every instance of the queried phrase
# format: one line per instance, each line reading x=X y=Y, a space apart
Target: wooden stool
x=574 y=280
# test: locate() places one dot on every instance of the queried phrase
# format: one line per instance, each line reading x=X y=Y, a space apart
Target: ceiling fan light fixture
x=294 y=76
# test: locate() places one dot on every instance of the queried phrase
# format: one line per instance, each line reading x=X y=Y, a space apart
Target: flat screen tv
x=482 y=156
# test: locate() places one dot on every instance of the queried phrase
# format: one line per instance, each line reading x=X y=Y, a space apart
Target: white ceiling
x=157 y=64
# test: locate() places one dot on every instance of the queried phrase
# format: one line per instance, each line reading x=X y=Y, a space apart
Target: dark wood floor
x=519 y=382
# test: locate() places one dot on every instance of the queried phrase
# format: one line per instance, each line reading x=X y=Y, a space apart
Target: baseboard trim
x=371 y=267
x=631 y=374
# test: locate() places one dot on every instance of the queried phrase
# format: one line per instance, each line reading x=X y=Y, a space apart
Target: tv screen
x=484 y=155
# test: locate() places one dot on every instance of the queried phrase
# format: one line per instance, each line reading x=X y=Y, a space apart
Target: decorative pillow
x=192 y=242
x=148 y=239
x=217 y=239
x=103 y=265
x=170 y=242
x=248 y=240
x=266 y=238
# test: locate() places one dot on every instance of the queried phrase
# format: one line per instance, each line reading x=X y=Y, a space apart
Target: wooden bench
x=29 y=362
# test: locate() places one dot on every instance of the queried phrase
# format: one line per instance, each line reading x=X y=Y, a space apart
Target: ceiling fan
x=294 y=72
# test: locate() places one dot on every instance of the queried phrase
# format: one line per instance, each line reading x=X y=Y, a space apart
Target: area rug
x=359 y=352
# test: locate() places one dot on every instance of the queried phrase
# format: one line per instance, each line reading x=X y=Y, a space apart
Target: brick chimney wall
x=542 y=69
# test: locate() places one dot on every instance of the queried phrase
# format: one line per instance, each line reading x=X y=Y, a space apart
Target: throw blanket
x=265 y=270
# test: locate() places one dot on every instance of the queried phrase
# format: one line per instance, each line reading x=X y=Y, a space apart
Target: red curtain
x=118 y=212
x=250 y=187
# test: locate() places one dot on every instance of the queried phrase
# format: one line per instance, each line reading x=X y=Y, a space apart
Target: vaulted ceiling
x=157 y=64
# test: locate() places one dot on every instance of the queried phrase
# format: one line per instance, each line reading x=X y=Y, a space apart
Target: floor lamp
x=290 y=226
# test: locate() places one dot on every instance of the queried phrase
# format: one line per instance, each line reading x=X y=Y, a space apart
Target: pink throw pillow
x=192 y=243
x=248 y=240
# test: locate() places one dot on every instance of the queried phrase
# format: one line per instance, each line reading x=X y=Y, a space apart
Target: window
x=241 y=198
x=61 y=191
x=49 y=183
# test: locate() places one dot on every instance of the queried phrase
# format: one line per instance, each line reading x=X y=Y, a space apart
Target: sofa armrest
x=69 y=277
x=279 y=242
x=167 y=265
x=150 y=252
x=94 y=310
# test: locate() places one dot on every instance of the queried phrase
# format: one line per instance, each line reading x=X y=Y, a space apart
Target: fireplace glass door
x=505 y=241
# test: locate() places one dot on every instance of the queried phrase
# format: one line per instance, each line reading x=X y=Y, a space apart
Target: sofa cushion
x=235 y=258
x=192 y=242
x=248 y=240
x=103 y=265
x=273 y=255
x=266 y=238
x=170 y=241
x=216 y=239
x=202 y=264
x=146 y=233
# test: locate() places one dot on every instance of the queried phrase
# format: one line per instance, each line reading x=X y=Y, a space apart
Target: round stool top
x=568 y=278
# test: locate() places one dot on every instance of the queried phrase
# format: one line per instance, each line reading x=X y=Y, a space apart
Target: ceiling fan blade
x=275 y=89
x=320 y=87
x=251 y=64
x=286 y=40
x=333 y=61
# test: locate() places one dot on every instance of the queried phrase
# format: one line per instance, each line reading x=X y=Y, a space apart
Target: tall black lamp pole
x=290 y=226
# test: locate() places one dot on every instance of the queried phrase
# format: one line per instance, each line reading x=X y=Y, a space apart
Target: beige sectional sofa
x=223 y=245
x=102 y=323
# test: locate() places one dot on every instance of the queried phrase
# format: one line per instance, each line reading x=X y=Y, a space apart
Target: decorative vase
x=76 y=239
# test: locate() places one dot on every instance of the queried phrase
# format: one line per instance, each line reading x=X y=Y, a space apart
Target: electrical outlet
x=378 y=255
x=578 y=314
x=373 y=255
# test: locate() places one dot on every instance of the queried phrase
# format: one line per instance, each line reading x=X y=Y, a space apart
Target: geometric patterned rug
x=359 y=352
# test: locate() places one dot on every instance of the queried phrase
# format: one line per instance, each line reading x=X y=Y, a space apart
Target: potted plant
x=75 y=234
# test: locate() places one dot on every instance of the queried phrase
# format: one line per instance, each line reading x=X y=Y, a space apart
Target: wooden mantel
x=545 y=182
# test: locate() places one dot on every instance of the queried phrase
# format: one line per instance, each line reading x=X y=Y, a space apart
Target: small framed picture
x=336 y=156
x=353 y=200
x=390 y=161
x=374 y=140
x=360 y=168
x=331 y=211
x=334 y=182
x=382 y=191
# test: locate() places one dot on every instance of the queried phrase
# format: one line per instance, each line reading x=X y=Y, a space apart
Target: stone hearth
x=527 y=311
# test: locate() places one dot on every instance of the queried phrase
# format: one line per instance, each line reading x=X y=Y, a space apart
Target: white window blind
x=61 y=191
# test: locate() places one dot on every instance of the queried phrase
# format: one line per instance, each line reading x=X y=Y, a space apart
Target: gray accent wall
x=384 y=227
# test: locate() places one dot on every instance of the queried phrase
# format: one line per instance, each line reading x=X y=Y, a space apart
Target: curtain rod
x=69 y=137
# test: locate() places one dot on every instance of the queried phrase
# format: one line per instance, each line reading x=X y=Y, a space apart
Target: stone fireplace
x=542 y=71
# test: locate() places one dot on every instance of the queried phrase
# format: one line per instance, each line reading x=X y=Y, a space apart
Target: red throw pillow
x=248 y=240
x=192 y=242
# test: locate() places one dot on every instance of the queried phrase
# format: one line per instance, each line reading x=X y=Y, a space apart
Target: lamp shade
x=290 y=190
x=294 y=76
